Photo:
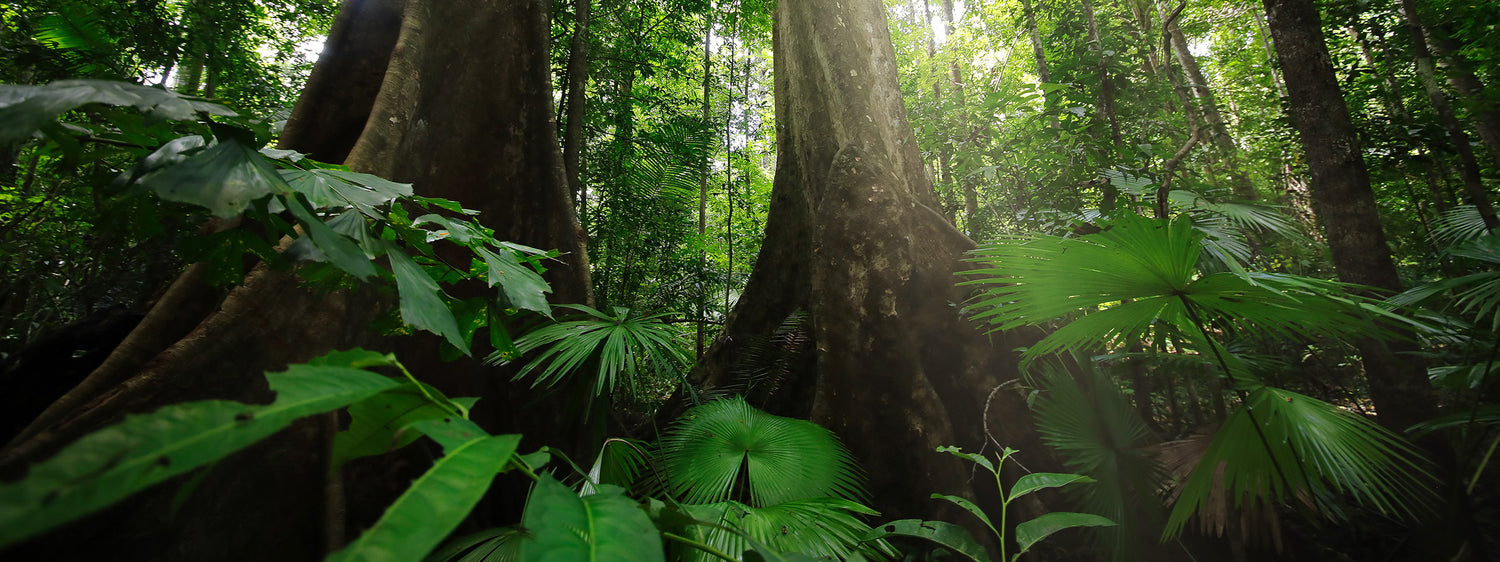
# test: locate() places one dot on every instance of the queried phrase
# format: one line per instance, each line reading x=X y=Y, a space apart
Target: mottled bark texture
x=464 y=112
x=1345 y=203
x=855 y=240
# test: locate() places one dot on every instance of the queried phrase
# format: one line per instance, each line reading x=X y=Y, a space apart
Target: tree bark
x=331 y=113
x=460 y=68
x=856 y=241
x=578 y=79
x=1345 y=204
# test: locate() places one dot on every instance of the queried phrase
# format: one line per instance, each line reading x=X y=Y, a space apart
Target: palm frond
x=500 y=544
x=1458 y=224
x=1139 y=273
x=1477 y=293
x=1098 y=434
x=1316 y=451
x=727 y=449
x=80 y=36
x=623 y=345
x=823 y=528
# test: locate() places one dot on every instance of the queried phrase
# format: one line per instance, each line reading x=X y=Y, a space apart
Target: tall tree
x=577 y=98
x=857 y=243
x=1474 y=185
x=1345 y=203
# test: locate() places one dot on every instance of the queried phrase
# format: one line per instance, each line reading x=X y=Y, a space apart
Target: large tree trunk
x=331 y=113
x=1345 y=204
x=856 y=242
x=459 y=69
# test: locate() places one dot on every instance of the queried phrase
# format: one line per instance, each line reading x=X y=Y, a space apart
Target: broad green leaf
x=337 y=188
x=420 y=305
x=971 y=508
x=603 y=526
x=110 y=464
x=25 y=109
x=435 y=503
x=944 y=534
x=1311 y=449
x=500 y=544
x=522 y=285
x=352 y=225
x=355 y=359
x=340 y=250
x=1040 y=480
x=450 y=432
x=224 y=179
x=459 y=231
x=1028 y=533
x=975 y=458
x=376 y=422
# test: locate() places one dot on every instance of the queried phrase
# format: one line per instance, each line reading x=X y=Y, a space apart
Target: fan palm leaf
x=1313 y=450
x=1139 y=273
x=823 y=528
x=621 y=344
x=727 y=449
x=1477 y=293
x=1098 y=434
x=1460 y=223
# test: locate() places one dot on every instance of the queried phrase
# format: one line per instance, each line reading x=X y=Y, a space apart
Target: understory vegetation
x=1213 y=376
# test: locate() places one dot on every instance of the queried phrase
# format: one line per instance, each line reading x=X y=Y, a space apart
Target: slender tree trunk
x=1106 y=112
x=1261 y=37
x=578 y=79
x=1345 y=203
x=1043 y=73
x=856 y=241
x=1461 y=76
x=1474 y=187
x=703 y=170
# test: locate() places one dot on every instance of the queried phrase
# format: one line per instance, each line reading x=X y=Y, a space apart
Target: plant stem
x=1245 y=399
x=1004 y=503
x=1482 y=463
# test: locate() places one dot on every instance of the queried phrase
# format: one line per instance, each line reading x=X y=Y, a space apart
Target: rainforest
x=984 y=280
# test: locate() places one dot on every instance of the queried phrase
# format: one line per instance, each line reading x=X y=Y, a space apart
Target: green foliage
x=349 y=219
x=437 y=501
x=823 y=528
x=621 y=346
x=727 y=449
x=1026 y=534
x=111 y=464
x=1142 y=274
x=376 y=423
x=947 y=535
x=604 y=525
x=1315 y=449
x=1477 y=293
x=30 y=108
x=1098 y=434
